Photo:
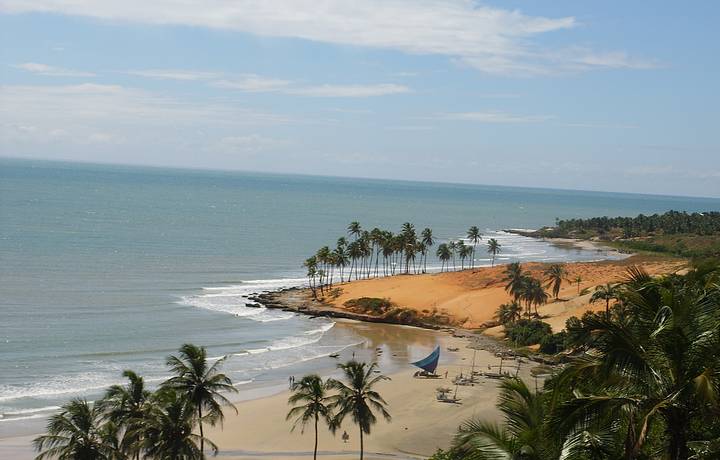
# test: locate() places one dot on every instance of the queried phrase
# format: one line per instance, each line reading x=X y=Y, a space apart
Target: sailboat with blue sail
x=428 y=364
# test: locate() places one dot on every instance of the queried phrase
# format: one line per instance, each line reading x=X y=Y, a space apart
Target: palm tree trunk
x=607 y=308
x=362 y=447
x=202 y=437
x=676 y=426
x=316 y=438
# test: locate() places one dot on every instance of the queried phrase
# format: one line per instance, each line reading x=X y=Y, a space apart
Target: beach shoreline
x=260 y=420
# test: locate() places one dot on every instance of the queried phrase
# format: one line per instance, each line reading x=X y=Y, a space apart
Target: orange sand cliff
x=471 y=297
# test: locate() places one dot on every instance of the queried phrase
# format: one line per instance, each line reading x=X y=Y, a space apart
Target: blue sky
x=618 y=96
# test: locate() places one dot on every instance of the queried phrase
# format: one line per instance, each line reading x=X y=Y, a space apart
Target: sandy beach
x=420 y=424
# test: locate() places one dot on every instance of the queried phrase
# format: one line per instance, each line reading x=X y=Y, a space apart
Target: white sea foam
x=59 y=385
x=233 y=299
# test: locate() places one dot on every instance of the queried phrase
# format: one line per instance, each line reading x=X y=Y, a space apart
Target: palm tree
x=377 y=237
x=428 y=241
x=534 y=294
x=494 y=249
x=126 y=407
x=200 y=384
x=355 y=252
x=606 y=292
x=354 y=229
x=312 y=274
x=74 y=433
x=508 y=312
x=463 y=252
x=452 y=247
x=555 y=274
x=168 y=429
x=357 y=398
x=577 y=280
x=474 y=236
x=514 y=278
x=341 y=260
x=654 y=371
x=443 y=253
x=522 y=435
x=311 y=392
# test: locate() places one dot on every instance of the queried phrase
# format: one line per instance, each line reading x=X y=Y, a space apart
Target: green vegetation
x=527 y=331
x=554 y=343
x=384 y=308
x=605 y=293
x=681 y=234
x=370 y=305
x=642 y=381
x=378 y=252
x=524 y=288
x=131 y=422
x=522 y=436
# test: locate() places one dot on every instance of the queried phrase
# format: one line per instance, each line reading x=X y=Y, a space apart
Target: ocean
x=106 y=268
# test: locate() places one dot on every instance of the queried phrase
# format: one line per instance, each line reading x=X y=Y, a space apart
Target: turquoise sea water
x=104 y=268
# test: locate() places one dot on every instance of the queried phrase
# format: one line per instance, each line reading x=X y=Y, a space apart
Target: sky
x=612 y=95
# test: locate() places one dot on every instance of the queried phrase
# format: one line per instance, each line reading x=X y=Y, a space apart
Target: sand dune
x=471 y=297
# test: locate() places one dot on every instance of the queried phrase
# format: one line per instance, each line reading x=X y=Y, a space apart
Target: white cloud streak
x=490 y=39
x=171 y=74
x=252 y=83
x=493 y=117
x=92 y=102
x=383 y=89
x=51 y=71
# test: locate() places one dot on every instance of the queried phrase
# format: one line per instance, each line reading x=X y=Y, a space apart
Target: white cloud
x=51 y=71
x=410 y=128
x=172 y=74
x=598 y=125
x=92 y=102
x=493 y=117
x=491 y=39
x=382 y=89
x=252 y=83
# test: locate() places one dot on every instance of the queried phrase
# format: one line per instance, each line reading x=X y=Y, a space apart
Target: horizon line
x=331 y=176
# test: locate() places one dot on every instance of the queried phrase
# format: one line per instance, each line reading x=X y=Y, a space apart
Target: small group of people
x=291 y=381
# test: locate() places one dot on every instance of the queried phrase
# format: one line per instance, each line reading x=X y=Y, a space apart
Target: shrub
x=527 y=331
x=443 y=455
x=371 y=305
x=555 y=343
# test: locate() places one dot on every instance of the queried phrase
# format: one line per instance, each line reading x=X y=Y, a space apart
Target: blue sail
x=430 y=362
